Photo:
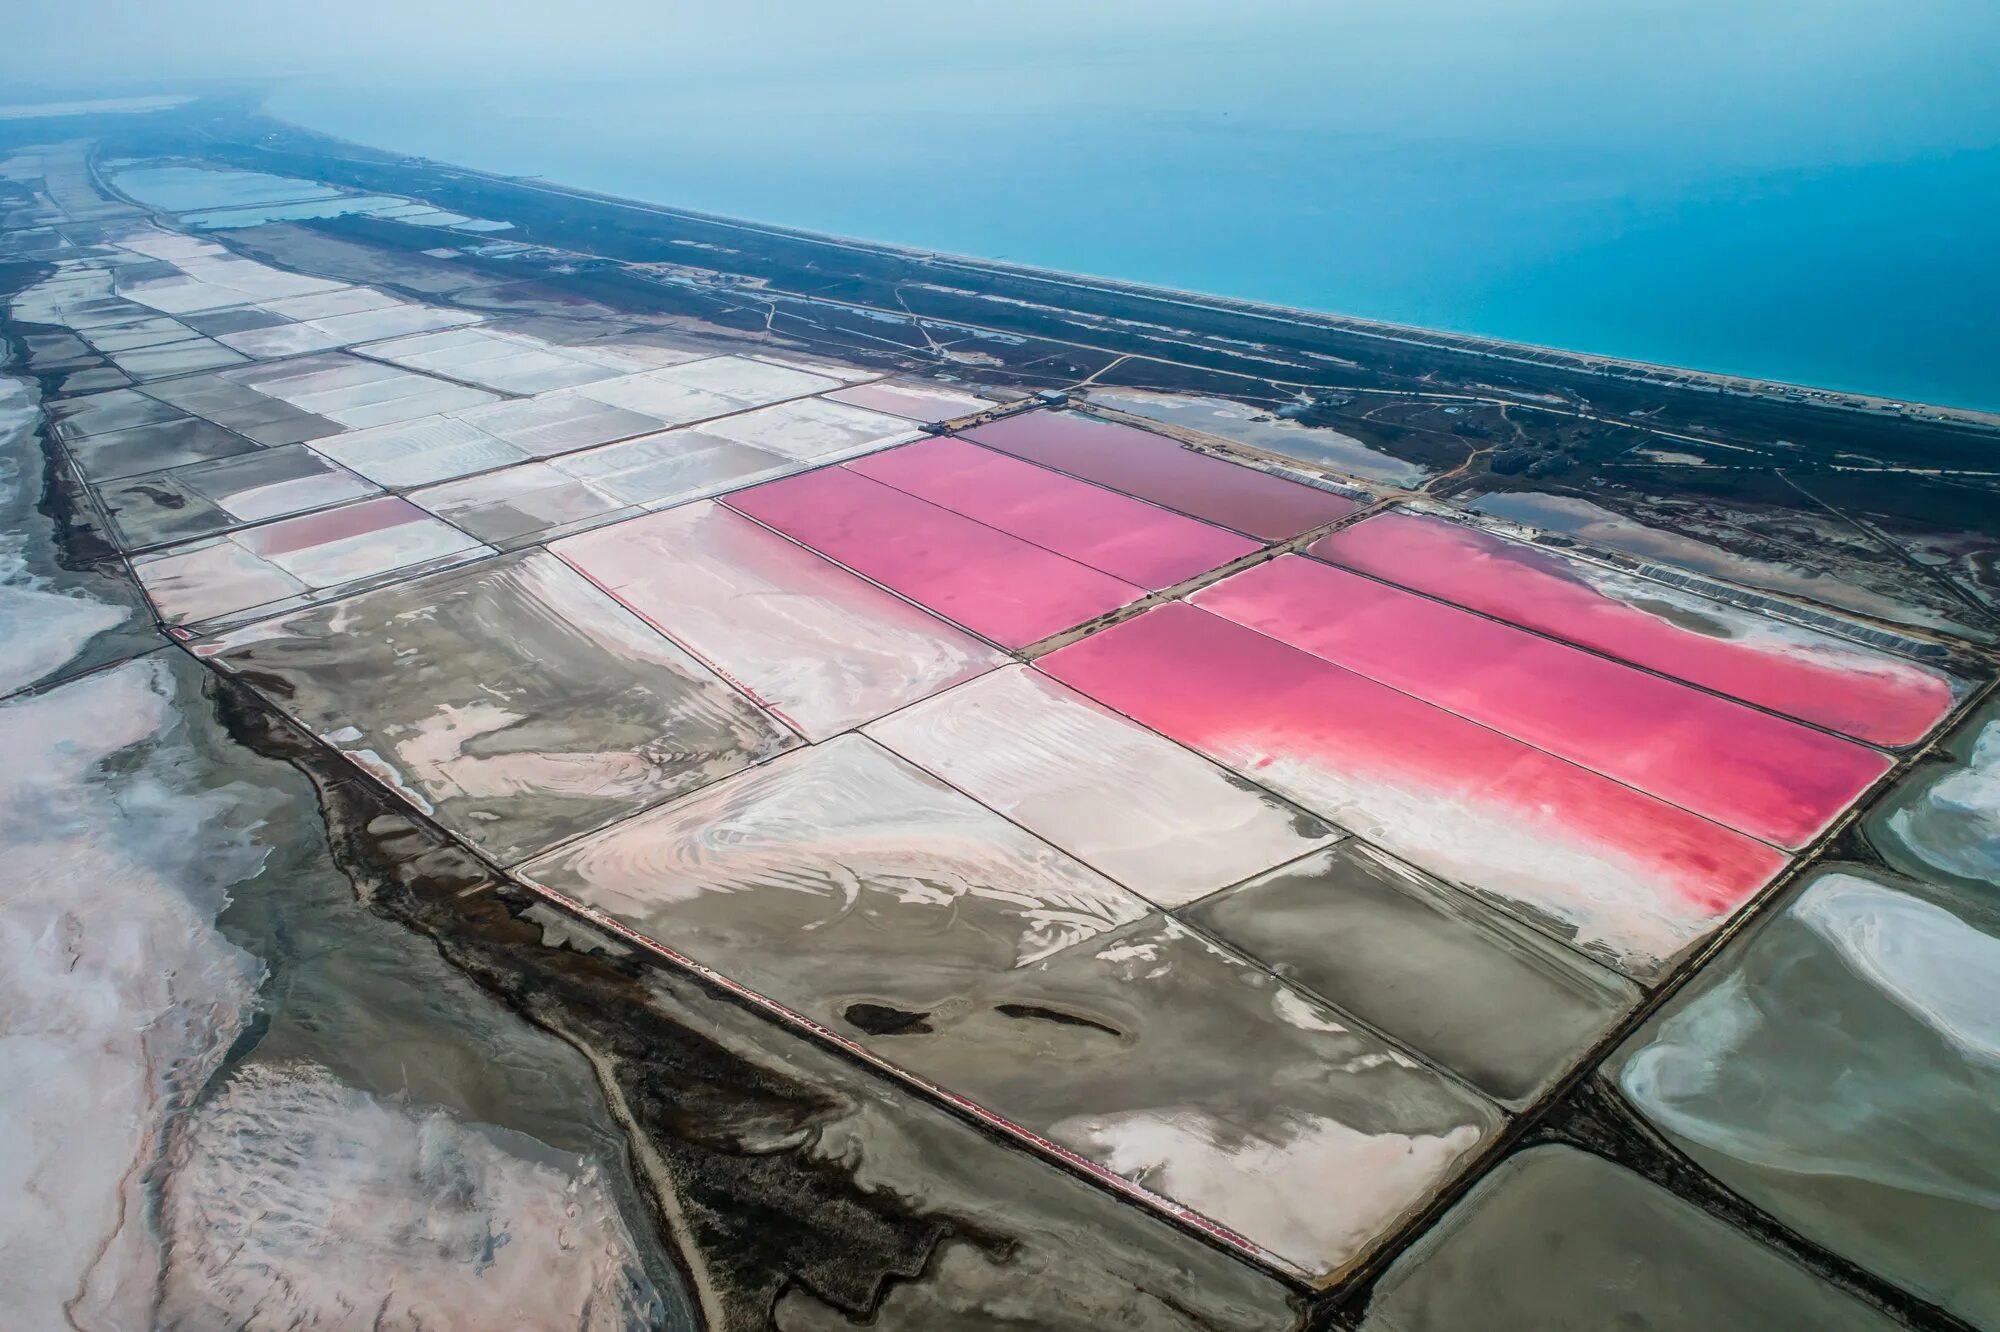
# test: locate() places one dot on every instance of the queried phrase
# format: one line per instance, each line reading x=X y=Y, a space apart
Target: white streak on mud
x=1187 y=1153
x=1920 y=956
x=117 y=996
x=40 y=630
x=1795 y=1062
x=134 y=1195
x=295 y=1201
x=1954 y=826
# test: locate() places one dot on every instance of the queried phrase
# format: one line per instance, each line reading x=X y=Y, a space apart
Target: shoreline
x=1044 y=330
x=1627 y=369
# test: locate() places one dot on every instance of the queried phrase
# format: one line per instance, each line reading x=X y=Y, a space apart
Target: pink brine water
x=1156 y=468
x=994 y=584
x=1626 y=876
x=1761 y=774
x=1113 y=533
x=1815 y=677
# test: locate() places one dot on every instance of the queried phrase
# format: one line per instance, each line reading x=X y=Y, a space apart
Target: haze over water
x=1798 y=191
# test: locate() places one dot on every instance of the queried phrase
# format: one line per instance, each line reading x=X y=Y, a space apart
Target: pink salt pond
x=1158 y=469
x=999 y=586
x=1124 y=537
x=1625 y=876
x=1815 y=677
x=1757 y=773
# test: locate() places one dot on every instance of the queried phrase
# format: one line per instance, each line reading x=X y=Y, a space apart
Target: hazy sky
x=1861 y=76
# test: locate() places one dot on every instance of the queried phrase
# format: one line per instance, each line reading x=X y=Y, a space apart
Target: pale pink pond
x=820 y=647
x=1124 y=537
x=996 y=585
x=1625 y=876
x=1156 y=468
x=343 y=524
x=1802 y=673
x=1761 y=774
x=918 y=402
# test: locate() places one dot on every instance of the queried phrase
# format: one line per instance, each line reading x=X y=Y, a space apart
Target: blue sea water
x=1806 y=193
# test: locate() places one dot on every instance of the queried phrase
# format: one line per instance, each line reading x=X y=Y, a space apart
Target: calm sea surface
x=1807 y=194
